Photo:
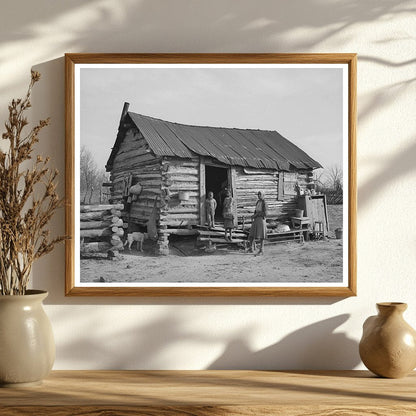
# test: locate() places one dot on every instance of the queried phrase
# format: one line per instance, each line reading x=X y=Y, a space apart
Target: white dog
x=138 y=237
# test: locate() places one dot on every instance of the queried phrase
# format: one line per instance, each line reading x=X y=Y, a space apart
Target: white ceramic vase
x=27 y=346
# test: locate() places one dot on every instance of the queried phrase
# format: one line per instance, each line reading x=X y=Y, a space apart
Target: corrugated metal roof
x=252 y=148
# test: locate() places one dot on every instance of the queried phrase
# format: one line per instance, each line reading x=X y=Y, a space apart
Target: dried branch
x=23 y=217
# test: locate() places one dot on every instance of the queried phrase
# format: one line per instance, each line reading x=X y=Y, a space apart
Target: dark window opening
x=216 y=181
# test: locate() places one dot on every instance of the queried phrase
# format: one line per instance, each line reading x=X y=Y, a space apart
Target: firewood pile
x=101 y=230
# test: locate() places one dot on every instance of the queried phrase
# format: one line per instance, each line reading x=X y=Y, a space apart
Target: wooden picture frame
x=163 y=222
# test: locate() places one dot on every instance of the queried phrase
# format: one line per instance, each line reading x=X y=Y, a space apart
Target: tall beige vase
x=388 y=345
x=27 y=347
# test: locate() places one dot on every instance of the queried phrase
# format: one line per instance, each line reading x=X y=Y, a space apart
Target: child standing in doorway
x=210 y=207
x=227 y=213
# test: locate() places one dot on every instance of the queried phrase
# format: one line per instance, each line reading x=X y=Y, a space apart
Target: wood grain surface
x=203 y=393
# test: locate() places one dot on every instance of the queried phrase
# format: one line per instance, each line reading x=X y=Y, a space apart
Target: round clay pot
x=388 y=344
x=27 y=347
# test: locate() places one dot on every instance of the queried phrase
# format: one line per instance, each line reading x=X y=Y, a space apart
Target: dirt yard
x=310 y=262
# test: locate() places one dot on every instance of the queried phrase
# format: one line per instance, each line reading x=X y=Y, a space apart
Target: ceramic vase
x=388 y=345
x=27 y=347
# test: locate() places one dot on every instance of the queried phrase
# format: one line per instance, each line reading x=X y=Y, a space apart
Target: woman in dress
x=227 y=213
x=258 y=230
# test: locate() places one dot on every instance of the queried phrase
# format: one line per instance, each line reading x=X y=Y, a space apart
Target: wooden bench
x=284 y=237
x=240 y=237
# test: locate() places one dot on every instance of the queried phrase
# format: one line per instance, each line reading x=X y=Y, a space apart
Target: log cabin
x=162 y=172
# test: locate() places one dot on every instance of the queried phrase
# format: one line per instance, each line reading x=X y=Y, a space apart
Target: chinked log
x=191 y=202
x=95 y=247
x=259 y=177
x=153 y=165
x=148 y=182
x=118 y=246
x=93 y=208
x=148 y=176
x=146 y=166
x=97 y=215
x=182 y=178
x=117 y=231
x=88 y=225
x=251 y=201
x=184 y=186
x=117 y=223
x=134 y=150
x=116 y=220
x=116 y=242
x=137 y=161
x=182 y=170
x=255 y=184
x=182 y=163
x=192 y=194
x=189 y=209
x=252 y=191
x=93 y=233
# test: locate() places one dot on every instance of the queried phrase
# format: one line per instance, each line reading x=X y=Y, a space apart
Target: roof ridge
x=198 y=125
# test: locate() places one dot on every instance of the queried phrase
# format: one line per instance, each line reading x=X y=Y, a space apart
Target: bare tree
x=91 y=178
x=335 y=178
x=319 y=179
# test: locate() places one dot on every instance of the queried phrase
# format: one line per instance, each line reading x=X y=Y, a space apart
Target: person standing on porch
x=258 y=230
x=227 y=213
x=210 y=206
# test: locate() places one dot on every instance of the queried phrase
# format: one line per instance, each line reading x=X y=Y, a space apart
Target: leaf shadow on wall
x=398 y=166
x=313 y=347
x=151 y=345
x=138 y=345
x=104 y=26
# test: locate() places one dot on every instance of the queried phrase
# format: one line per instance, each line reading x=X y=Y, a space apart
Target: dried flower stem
x=23 y=217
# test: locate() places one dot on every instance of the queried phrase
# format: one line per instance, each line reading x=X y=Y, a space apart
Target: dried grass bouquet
x=28 y=199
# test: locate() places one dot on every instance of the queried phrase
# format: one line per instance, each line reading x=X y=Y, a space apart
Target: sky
x=303 y=104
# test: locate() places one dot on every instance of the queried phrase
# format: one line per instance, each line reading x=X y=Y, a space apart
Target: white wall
x=200 y=333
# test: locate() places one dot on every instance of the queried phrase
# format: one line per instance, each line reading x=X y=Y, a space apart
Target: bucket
x=183 y=196
x=299 y=213
x=338 y=233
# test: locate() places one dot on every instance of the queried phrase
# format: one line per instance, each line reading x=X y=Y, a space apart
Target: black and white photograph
x=211 y=175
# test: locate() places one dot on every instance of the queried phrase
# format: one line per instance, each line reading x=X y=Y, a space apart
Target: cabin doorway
x=217 y=181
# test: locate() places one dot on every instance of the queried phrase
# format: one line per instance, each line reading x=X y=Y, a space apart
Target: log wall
x=180 y=175
x=184 y=175
x=135 y=159
x=280 y=206
x=103 y=232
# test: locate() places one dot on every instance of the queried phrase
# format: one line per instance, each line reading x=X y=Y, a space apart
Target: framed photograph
x=211 y=174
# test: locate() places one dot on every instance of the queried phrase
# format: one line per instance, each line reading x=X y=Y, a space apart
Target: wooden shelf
x=203 y=393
